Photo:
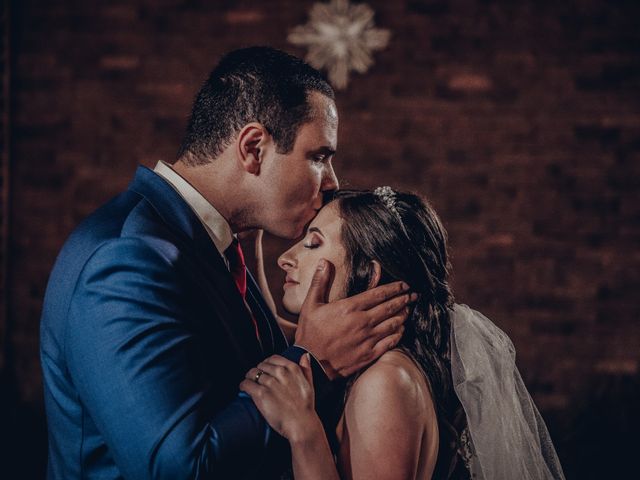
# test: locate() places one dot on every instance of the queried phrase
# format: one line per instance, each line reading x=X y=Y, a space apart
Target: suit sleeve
x=130 y=358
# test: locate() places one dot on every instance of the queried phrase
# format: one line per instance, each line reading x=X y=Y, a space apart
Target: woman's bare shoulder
x=393 y=381
x=388 y=418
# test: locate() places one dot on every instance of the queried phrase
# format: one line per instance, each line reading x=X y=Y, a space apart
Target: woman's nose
x=286 y=261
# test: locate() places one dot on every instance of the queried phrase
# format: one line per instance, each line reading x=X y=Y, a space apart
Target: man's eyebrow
x=315 y=229
x=328 y=151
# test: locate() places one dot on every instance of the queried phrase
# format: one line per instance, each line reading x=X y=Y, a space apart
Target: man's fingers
x=388 y=327
x=374 y=297
x=385 y=345
x=395 y=306
x=319 y=289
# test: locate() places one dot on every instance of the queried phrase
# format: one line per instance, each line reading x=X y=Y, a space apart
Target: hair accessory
x=388 y=197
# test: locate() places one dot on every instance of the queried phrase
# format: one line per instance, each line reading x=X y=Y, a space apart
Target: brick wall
x=520 y=121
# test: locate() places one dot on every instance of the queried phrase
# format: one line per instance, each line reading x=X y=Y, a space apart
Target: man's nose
x=330 y=181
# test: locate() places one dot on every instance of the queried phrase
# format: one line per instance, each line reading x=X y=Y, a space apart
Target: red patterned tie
x=238 y=271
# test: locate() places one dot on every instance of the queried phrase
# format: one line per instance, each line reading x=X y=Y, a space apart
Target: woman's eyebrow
x=315 y=229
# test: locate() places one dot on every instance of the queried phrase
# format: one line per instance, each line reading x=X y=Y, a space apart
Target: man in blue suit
x=150 y=320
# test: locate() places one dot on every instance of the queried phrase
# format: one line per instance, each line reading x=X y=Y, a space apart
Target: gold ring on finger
x=258 y=375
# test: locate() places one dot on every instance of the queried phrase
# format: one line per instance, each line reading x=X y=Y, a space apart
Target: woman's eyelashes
x=312 y=242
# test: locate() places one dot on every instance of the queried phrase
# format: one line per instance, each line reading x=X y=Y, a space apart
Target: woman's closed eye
x=314 y=238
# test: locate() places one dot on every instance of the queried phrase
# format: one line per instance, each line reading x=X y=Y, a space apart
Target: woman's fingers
x=279 y=360
x=274 y=371
x=263 y=374
x=267 y=373
x=279 y=375
x=252 y=388
x=279 y=367
x=305 y=365
x=281 y=391
x=253 y=374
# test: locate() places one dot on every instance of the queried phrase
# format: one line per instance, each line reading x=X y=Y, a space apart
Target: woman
x=446 y=403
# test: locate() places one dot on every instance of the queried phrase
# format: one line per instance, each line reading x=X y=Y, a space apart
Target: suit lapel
x=230 y=307
x=273 y=340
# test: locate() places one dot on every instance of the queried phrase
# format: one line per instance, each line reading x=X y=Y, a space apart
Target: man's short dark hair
x=256 y=84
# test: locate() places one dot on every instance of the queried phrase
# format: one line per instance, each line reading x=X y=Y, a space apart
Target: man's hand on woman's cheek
x=348 y=334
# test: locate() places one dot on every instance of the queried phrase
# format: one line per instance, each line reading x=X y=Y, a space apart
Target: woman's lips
x=289 y=282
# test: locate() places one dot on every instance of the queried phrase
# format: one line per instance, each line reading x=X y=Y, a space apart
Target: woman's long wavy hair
x=410 y=244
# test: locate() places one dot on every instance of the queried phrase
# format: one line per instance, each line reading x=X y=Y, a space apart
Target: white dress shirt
x=214 y=223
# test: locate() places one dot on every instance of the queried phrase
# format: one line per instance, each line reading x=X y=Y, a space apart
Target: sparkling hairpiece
x=388 y=197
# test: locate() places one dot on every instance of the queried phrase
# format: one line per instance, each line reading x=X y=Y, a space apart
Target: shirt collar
x=214 y=223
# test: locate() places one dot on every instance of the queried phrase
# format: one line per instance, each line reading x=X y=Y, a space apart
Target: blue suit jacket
x=144 y=340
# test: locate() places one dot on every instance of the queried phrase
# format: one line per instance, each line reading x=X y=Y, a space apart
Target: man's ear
x=377 y=274
x=249 y=147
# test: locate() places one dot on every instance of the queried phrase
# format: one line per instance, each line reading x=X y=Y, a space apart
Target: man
x=150 y=321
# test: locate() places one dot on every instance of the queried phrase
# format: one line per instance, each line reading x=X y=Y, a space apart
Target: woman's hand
x=284 y=394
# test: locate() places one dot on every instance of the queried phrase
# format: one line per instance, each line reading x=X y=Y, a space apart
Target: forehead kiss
x=322 y=240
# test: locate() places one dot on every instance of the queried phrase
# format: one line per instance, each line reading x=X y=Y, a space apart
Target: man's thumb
x=319 y=289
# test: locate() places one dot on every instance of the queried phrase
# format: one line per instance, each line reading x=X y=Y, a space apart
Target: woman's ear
x=376 y=274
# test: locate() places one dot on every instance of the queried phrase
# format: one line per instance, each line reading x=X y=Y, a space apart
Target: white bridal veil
x=508 y=439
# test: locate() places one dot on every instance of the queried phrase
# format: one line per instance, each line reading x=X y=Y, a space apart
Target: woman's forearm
x=311 y=456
